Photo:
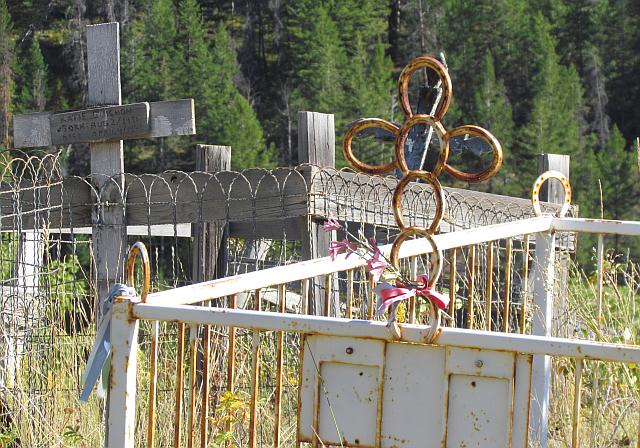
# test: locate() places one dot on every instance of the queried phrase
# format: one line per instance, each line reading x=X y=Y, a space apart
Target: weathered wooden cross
x=105 y=124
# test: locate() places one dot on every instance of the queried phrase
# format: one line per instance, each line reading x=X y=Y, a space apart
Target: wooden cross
x=105 y=124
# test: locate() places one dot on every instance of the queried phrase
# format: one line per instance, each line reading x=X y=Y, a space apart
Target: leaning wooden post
x=316 y=145
x=209 y=238
x=107 y=159
x=543 y=300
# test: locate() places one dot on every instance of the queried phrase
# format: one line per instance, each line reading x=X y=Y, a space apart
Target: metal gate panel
x=414 y=394
x=372 y=393
x=340 y=390
x=349 y=410
x=480 y=398
x=479 y=412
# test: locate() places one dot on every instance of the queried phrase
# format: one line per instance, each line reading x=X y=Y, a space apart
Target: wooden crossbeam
x=102 y=124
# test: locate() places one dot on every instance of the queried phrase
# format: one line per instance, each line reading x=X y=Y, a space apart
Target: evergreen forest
x=555 y=76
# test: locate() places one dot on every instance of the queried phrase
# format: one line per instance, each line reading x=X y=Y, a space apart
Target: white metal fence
x=340 y=381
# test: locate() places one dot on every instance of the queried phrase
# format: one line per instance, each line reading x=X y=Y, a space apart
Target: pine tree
x=415 y=29
x=585 y=177
x=31 y=91
x=152 y=54
x=620 y=47
x=369 y=93
x=6 y=72
x=367 y=78
x=492 y=110
x=579 y=34
x=359 y=22
x=468 y=30
x=263 y=81
x=194 y=73
x=319 y=58
x=619 y=178
x=554 y=121
x=230 y=120
x=368 y=83
x=150 y=75
x=577 y=29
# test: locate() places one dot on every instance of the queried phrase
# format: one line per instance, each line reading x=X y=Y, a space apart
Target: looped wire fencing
x=252 y=219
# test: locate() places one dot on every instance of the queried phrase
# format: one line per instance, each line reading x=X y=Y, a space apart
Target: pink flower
x=336 y=247
x=374 y=245
x=331 y=224
x=376 y=265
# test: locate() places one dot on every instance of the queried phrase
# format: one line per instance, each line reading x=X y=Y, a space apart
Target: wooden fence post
x=552 y=191
x=209 y=242
x=316 y=139
x=545 y=278
x=209 y=254
x=316 y=145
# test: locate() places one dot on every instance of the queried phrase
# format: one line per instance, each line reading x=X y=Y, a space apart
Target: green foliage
x=620 y=44
x=337 y=59
x=65 y=280
x=172 y=56
x=554 y=121
x=492 y=110
x=8 y=437
x=542 y=75
x=232 y=409
x=31 y=89
x=72 y=436
x=230 y=120
x=369 y=86
x=6 y=71
x=9 y=251
x=359 y=21
x=318 y=57
x=618 y=170
x=150 y=75
x=153 y=57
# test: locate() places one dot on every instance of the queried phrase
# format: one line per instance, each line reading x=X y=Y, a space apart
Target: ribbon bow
x=390 y=294
x=98 y=361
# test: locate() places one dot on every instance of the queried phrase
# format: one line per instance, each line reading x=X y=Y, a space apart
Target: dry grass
x=610 y=396
x=52 y=416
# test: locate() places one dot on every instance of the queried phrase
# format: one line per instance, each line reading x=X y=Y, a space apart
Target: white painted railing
x=182 y=305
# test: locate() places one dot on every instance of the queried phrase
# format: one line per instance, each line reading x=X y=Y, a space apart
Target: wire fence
x=264 y=218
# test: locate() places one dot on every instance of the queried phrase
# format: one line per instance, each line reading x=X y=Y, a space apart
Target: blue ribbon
x=102 y=348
